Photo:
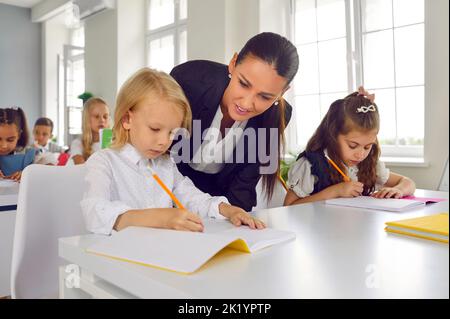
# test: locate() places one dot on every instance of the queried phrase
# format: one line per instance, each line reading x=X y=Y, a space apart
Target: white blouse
x=211 y=156
x=76 y=148
x=301 y=180
x=119 y=180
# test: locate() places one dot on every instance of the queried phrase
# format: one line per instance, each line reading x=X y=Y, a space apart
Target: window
x=376 y=43
x=74 y=78
x=166 y=33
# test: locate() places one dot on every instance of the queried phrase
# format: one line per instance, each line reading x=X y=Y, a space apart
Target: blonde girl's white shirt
x=301 y=181
x=211 y=156
x=119 y=180
x=76 y=148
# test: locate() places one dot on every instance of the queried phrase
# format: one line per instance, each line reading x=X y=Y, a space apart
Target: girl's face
x=254 y=87
x=99 y=117
x=42 y=134
x=152 y=125
x=9 y=136
x=356 y=145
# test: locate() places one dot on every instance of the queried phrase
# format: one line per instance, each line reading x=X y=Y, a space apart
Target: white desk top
x=9 y=192
x=339 y=253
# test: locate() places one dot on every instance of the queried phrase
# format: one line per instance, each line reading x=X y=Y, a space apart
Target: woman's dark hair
x=342 y=117
x=16 y=116
x=282 y=55
x=44 y=121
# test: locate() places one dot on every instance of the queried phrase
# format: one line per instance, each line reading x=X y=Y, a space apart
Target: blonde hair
x=87 y=138
x=144 y=83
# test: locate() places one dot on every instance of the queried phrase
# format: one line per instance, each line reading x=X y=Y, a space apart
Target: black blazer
x=204 y=83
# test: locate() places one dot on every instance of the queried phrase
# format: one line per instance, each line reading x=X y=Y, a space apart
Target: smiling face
x=9 y=136
x=152 y=125
x=99 y=117
x=355 y=146
x=254 y=87
x=42 y=133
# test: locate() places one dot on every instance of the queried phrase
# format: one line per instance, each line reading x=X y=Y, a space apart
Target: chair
x=48 y=208
x=277 y=200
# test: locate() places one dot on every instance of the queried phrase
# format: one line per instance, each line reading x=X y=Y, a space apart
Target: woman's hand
x=388 y=192
x=238 y=216
x=348 y=189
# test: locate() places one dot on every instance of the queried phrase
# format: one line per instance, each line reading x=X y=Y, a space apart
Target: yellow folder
x=433 y=227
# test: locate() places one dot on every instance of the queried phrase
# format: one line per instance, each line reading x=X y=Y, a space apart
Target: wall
x=54 y=36
x=131 y=38
x=20 y=61
x=101 y=55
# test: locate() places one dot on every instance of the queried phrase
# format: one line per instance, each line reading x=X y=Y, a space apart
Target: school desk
x=338 y=253
x=8 y=205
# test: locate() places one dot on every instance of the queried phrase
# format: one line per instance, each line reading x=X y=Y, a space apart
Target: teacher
x=240 y=114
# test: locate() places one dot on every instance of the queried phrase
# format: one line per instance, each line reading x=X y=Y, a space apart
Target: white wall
x=206 y=30
x=436 y=96
x=101 y=55
x=219 y=28
x=241 y=24
x=131 y=24
x=20 y=61
x=54 y=36
x=114 y=48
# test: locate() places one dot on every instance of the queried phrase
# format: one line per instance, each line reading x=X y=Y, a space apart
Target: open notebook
x=181 y=251
x=368 y=202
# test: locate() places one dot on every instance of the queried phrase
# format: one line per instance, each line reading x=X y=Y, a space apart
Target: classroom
x=224 y=149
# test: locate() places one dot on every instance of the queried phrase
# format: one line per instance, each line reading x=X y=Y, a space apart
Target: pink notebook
x=425 y=200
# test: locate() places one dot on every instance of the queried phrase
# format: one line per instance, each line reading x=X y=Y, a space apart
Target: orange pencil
x=163 y=186
x=346 y=178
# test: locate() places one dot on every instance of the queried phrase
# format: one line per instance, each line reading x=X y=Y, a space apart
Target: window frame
x=174 y=29
x=355 y=76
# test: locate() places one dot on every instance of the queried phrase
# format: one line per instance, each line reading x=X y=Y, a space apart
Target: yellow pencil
x=346 y=178
x=166 y=189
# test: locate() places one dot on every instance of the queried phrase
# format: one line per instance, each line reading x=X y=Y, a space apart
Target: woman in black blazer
x=249 y=89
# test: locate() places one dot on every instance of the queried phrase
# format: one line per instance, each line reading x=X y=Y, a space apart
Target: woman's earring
x=276 y=103
x=229 y=75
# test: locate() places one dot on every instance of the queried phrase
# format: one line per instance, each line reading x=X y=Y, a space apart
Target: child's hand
x=349 y=189
x=2 y=175
x=238 y=216
x=388 y=192
x=182 y=219
x=15 y=176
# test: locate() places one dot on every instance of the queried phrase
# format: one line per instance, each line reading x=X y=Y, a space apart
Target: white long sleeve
x=120 y=180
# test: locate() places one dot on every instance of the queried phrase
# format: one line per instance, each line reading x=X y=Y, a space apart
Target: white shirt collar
x=132 y=154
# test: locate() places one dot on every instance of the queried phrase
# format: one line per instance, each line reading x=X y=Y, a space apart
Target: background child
x=48 y=152
x=14 y=156
x=121 y=191
x=348 y=135
x=95 y=118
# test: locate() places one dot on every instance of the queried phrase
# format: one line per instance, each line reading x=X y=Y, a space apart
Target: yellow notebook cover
x=433 y=227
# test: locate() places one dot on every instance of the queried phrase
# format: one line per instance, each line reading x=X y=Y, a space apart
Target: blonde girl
x=121 y=192
x=95 y=117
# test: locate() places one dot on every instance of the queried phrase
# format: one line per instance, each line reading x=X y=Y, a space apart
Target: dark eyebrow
x=247 y=82
x=358 y=143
